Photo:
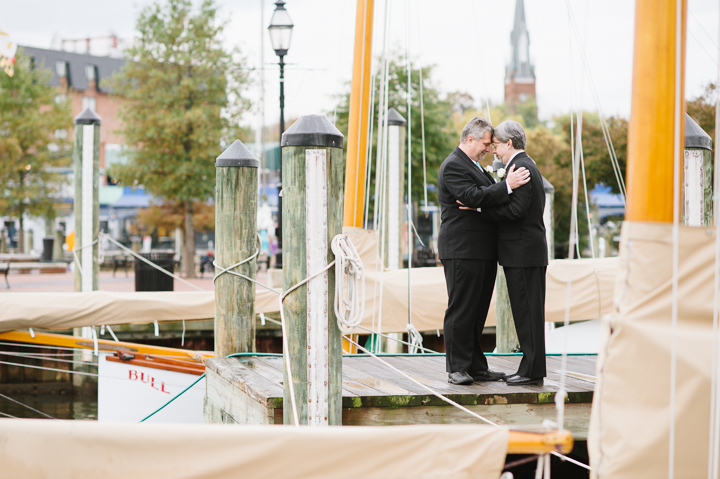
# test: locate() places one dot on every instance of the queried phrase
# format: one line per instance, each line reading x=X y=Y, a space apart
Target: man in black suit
x=467 y=247
x=522 y=252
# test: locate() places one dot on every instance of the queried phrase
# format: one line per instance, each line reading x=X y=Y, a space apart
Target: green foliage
x=184 y=93
x=702 y=110
x=29 y=150
x=440 y=138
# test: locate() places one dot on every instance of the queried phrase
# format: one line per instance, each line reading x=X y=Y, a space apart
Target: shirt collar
x=512 y=158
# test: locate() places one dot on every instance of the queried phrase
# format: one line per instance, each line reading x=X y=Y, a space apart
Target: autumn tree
x=33 y=143
x=440 y=139
x=185 y=95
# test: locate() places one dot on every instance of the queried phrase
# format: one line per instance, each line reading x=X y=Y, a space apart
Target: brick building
x=520 y=72
x=83 y=79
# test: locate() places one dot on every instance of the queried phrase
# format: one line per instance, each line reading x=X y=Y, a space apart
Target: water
x=59 y=406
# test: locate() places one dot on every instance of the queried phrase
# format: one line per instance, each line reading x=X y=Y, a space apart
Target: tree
x=440 y=138
x=702 y=110
x=33 y=141
x=185 y=93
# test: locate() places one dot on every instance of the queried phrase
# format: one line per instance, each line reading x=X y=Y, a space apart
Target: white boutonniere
x=501 y=173
x=489 y=169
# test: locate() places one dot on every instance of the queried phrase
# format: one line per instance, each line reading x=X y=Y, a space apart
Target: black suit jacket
x=466 y=234
x=521 y=230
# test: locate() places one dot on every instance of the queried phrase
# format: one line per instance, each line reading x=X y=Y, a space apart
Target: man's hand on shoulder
x=517 y=178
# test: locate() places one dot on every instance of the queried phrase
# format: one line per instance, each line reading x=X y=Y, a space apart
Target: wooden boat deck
x=249 y=390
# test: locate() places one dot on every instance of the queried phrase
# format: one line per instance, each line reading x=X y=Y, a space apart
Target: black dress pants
x=470 y=284
x=526 y=289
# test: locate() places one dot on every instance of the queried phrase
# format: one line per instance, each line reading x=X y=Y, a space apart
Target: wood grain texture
x=295 y=270
x=77 y=204
x=506 y=338
x=236 y=239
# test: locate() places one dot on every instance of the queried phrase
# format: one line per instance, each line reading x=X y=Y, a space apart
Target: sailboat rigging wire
x=714 y=443
x=422 y=112
x=714 y=43
x=29 y=407
x=368 y=158
x=603 y=125
x=482 y=67
x=677 y=151
x=409 y=160
x=8 y=415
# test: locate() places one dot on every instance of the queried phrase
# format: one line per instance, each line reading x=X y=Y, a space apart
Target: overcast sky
x=467 y=41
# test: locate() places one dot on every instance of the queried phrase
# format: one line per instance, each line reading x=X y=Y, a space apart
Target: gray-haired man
x=467 y=246
x=522 y=252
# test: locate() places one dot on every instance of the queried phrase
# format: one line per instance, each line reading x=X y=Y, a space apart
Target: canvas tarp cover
x=34 y=449
x=592 y=283
x=630 y=423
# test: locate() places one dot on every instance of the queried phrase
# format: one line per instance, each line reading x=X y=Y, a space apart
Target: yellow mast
x=651 y=134
x=358 y=116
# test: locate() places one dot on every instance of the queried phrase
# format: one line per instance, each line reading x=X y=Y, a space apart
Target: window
x=61 y=134
x=89 y=102
x=61 y=68
x=91 y=72
x=62 y=98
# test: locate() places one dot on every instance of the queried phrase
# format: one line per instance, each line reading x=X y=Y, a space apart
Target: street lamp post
x=280 y=34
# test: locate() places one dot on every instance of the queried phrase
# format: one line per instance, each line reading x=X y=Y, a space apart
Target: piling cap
x=237 y=154
x=88 y=117
x=695 y=137
x=395 y=118
x=547 y=186
x=313 y=130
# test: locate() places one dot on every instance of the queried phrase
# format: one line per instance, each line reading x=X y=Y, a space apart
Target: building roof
x=106 y=66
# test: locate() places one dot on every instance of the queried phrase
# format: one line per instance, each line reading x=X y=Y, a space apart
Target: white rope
x=32 y=333
x=390 y=338
x=78 y=264
x=348 y=263
x=432 y=391
x=133 y=253
x=368 y=157
x=95 y=341
x=416 y=339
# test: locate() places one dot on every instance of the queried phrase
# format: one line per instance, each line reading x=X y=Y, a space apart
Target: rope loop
x=350 y=301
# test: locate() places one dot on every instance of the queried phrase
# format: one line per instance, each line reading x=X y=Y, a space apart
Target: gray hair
x=511 y=130
x=476 y=128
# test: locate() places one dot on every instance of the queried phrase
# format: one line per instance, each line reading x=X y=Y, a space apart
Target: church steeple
x=520 y=72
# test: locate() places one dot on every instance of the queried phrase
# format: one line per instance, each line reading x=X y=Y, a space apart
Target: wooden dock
x=249 y=390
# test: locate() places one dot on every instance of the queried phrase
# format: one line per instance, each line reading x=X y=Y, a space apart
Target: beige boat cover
x=592 y=284
x=35 y=449
x=630 y=423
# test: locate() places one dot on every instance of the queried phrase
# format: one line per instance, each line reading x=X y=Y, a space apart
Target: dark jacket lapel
x=471 y=164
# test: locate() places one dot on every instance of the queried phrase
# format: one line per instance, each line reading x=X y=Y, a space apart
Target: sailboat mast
x=358 y=116
x=652 y=136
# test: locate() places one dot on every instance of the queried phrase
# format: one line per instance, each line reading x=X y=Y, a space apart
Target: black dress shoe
x=460 y=378
x=523 y=381
x=487 y=375
x=513 y=375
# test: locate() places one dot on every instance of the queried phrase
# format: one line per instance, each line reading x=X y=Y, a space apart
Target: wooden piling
x=236 y=187
x=86 y=162
x=312 y=215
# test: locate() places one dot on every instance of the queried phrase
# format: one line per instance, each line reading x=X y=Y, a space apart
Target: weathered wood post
x=236 y=196
x=312 y=215
x=697 y=192
x=506 y=340
x=548 y=217
x=86 y=159
x=86 y=208
x=394 y=190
